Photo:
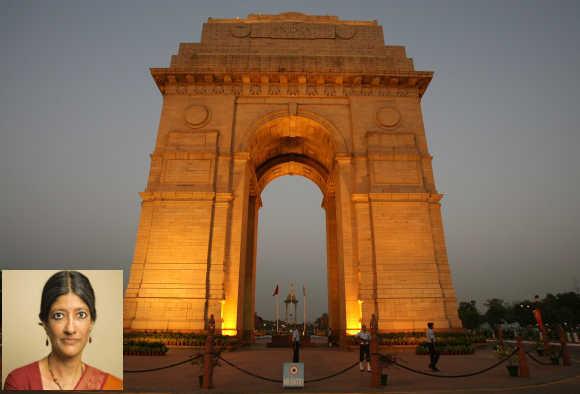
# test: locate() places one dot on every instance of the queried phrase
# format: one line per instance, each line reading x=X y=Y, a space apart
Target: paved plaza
x=320 y=362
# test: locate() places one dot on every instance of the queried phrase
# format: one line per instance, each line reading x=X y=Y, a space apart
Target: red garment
x=28 y=378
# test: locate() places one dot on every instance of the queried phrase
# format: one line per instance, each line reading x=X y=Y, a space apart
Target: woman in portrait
x=67 y=314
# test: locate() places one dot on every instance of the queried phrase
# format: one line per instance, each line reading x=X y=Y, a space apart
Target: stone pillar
x=348 y=275
x=444 y=273
x=329 y=204
x=366 y=266
x=235 y=262
x=138 y=265
x=222 y=209
x=168 y=290
x=250 y=271
x=409 y=249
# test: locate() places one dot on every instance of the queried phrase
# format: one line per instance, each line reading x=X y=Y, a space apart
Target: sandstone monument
x=290 y=94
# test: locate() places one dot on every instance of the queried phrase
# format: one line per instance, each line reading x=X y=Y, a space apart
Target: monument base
x=286 y=341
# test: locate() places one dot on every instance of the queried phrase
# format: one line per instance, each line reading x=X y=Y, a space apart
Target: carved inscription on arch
x=292 y=30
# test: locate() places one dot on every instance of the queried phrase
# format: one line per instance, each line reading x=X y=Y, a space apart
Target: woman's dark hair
x=65 y=282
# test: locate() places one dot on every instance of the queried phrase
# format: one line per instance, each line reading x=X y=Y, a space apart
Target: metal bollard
x=375 y=365
x=208 y=362
x=524 y=369
x=565 y=352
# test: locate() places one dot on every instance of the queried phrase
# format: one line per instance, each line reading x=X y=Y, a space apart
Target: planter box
x=513 y=370
x=384 y=379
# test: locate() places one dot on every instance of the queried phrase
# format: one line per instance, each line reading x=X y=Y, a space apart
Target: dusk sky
x=79 y=115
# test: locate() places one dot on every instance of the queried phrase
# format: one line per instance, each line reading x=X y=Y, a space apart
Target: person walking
x=364 y=339
x=295 y=345
x=433 y=354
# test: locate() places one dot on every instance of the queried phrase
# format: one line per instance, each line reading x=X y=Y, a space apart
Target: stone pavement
x=320 y=362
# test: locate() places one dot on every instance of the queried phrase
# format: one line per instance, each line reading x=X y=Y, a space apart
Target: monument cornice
x=395 y=154
x=177 y=196
x=184 y=81
x=292 y=17
x=405 y=197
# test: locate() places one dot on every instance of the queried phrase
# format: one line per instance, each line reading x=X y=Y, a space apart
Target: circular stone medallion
x=196 y=115
x=345 y=32
x=388 y=117
x=240 y=30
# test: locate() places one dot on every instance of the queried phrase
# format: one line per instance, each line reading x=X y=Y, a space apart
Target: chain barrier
x=248 y=372
x=164 y=367
x=465 y=375
x=332 y=375
x=540 y=362
x=280 y=380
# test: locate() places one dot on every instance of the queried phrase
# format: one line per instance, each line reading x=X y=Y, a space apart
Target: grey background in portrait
x=23 y=339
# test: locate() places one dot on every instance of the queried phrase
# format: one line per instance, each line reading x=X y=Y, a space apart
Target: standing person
x=295 y=345
x=364 y=339
x=329 y=335
x=433 y=354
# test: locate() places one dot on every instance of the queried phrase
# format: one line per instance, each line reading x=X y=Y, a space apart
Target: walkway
x=320 y=362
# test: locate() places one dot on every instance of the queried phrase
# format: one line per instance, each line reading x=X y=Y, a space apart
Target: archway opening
x=292 y=145
x=291 y=251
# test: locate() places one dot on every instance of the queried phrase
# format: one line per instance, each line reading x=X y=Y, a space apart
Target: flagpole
x=304 y=293
x=277 y=312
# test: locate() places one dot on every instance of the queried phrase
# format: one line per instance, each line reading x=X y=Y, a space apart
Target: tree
x=258 y=322
x=469 y=315
x=322 y=322
x=522 y=312
x=496 y=311
x=561 y=308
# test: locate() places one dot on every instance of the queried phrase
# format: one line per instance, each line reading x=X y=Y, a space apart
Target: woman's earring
x=46 y=342
x=90 y=339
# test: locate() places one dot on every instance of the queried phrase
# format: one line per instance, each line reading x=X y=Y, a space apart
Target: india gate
x=290 y=94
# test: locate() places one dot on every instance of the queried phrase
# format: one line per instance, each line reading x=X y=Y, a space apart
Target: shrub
x=144 y=348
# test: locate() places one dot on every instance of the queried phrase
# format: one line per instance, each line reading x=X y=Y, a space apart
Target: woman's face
x=69 y=325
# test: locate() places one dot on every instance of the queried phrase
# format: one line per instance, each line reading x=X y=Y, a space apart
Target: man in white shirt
x=433 y=354
x=295 y=345
x=364 y=339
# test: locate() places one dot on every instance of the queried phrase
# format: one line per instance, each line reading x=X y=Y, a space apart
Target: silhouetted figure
x=433 y=354
x=295 y=345
x=329 y=335
x=364 y=339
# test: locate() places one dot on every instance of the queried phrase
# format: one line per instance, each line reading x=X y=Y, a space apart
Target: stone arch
x=338 y=138
x=292 y=164
x=280 y=144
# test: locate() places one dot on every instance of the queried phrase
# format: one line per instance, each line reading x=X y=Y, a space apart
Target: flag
x=275 y=291
x=538 y=316
x=304 y=291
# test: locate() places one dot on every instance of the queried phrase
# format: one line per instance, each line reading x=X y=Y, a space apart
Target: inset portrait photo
x=62 y=330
